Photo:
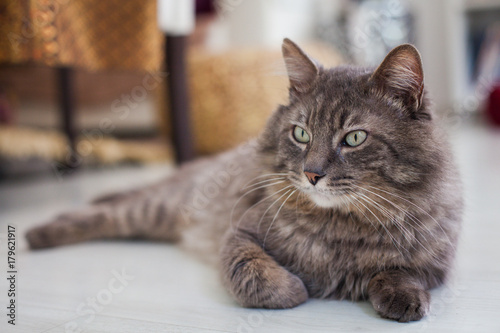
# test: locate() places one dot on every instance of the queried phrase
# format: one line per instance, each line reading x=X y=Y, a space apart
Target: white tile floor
x=162 y=289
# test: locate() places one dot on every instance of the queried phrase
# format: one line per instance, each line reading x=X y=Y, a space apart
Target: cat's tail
x=136 y=215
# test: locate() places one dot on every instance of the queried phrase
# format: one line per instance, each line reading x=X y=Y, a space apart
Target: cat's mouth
x=332 y=195
x=325 y=199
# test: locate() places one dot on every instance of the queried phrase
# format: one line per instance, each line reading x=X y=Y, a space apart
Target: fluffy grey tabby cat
x=349 y=192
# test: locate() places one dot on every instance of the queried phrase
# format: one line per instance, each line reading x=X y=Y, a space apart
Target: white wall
x=250 y=23
x=440 y=34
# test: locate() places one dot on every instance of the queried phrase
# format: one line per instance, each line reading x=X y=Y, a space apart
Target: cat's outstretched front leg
x=73 y=227
x=399 y=296
x=130 y=215
x=254 y=278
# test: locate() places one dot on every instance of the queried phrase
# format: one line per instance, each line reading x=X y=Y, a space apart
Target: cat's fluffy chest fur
x=326 y=261
x=334 y=253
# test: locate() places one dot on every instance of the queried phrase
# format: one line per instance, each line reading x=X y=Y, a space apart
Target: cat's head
x=349 y=130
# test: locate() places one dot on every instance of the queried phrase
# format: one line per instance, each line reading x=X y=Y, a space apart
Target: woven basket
x=232 y=94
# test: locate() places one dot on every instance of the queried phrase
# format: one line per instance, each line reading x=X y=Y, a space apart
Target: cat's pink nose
x=313 y=176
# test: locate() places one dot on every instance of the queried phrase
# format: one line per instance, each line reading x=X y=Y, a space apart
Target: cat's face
x=351 y=131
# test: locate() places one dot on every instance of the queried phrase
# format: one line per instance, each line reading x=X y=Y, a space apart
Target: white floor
x=161 y=289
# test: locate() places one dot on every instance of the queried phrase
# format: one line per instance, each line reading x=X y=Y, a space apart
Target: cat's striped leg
x=73 y=227
x=254 y=278
x=142 y=215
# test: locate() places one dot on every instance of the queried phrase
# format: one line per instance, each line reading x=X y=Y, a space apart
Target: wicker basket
x=232 y=94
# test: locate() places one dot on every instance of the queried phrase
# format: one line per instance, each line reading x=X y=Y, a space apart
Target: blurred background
x=99 y=96
x=93 y=84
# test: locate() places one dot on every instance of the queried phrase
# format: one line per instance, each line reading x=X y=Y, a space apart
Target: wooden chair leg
x=175 y=55
x=67 y=105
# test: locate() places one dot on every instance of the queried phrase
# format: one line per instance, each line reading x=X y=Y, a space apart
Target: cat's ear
x=302 y=70
x=401 y=75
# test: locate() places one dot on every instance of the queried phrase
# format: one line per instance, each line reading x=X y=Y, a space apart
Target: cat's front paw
x=401 y=302
x=39 y=238
x=259 y=283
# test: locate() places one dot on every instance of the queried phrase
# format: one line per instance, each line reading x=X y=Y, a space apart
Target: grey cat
x=350 y=192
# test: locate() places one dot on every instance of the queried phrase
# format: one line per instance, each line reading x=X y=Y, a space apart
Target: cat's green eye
x=355 y=138
x=300 y=135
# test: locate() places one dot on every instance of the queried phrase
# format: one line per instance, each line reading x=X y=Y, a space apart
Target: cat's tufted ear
x=401 y=75
x=302 y=70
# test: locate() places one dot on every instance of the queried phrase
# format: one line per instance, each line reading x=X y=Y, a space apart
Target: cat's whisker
x=393 y=240
x=351 y=195
x=401 y=227
x=404 y=231
x=264 y=175
x=361 y=211
x=263 y=181
x=259 y=202
x=275 y=216
x=366 y=217
x=247 y=193
x=392 y=217
x=416 y=220
x=250 y=190
x=347 y=202
x=426 y=213
x=300 y=200
x=346 y=205
x=268 y=208
x=297 y=203
x=405 y=212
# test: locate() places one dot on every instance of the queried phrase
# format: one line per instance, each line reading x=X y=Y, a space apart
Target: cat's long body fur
x=382 y=224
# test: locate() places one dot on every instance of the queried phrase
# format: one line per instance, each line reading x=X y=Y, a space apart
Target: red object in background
x=493 y=109
x=204 y=6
